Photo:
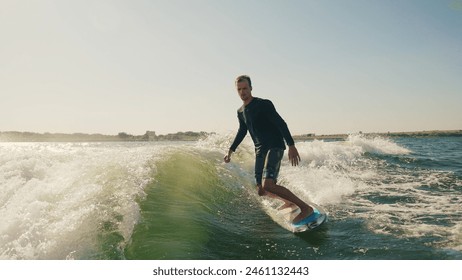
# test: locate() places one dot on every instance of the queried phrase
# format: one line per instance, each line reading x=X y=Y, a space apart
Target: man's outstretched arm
x=241 y=133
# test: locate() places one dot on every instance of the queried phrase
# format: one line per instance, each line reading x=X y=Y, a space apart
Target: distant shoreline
x=15 y=136
x=429 y=133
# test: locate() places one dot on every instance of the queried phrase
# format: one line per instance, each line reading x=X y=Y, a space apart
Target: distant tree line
x=15 y=136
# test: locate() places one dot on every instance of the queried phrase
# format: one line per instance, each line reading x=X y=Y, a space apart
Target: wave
x=121 y=200
x=369 y=178
x=58 y=199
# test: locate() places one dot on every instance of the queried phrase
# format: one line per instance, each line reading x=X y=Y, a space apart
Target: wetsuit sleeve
x=279 y=122
x=240 y=134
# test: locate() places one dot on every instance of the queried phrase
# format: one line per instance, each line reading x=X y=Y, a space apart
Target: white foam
x=376 y=144
x=326 y=172
x=56 y=197
x=399 y=206
x=390 y=199
x=220 y=143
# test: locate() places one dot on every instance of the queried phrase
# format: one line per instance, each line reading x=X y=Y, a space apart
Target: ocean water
x=396 y=198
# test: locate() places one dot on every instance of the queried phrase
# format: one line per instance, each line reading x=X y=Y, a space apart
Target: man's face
x=244 y=90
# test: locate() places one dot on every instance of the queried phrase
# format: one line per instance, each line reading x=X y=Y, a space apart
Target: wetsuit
x=268 y=131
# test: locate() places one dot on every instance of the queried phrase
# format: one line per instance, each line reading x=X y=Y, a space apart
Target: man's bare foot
x=305 y=212
x=261 y=191
x=287 y=205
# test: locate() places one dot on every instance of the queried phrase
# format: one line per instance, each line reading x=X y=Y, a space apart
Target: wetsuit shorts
x=267 y=164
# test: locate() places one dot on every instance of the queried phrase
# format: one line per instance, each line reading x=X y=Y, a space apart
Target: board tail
x=311 y=222
x=310 y=219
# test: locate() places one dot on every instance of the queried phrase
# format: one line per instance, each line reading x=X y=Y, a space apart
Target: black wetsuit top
x=267 y=128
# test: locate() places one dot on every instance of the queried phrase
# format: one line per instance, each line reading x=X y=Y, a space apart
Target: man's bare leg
x=270 y=186
x=287 y=204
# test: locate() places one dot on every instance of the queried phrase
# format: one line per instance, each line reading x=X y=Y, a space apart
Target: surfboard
x=312 y=222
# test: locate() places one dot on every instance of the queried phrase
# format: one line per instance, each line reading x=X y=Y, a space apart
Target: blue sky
x=328 y=66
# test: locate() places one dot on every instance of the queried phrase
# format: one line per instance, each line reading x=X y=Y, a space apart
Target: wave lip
x=377 y=145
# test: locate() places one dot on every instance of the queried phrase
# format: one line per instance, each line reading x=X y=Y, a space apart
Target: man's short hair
x=242 y=78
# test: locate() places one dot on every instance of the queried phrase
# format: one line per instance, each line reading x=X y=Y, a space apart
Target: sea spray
x=376 y=144
x=59 y=200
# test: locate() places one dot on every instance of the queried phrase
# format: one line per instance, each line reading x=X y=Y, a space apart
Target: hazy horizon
x=211 y=132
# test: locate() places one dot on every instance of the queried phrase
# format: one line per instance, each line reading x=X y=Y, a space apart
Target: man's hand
x=294 y=157
x=227 y=157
